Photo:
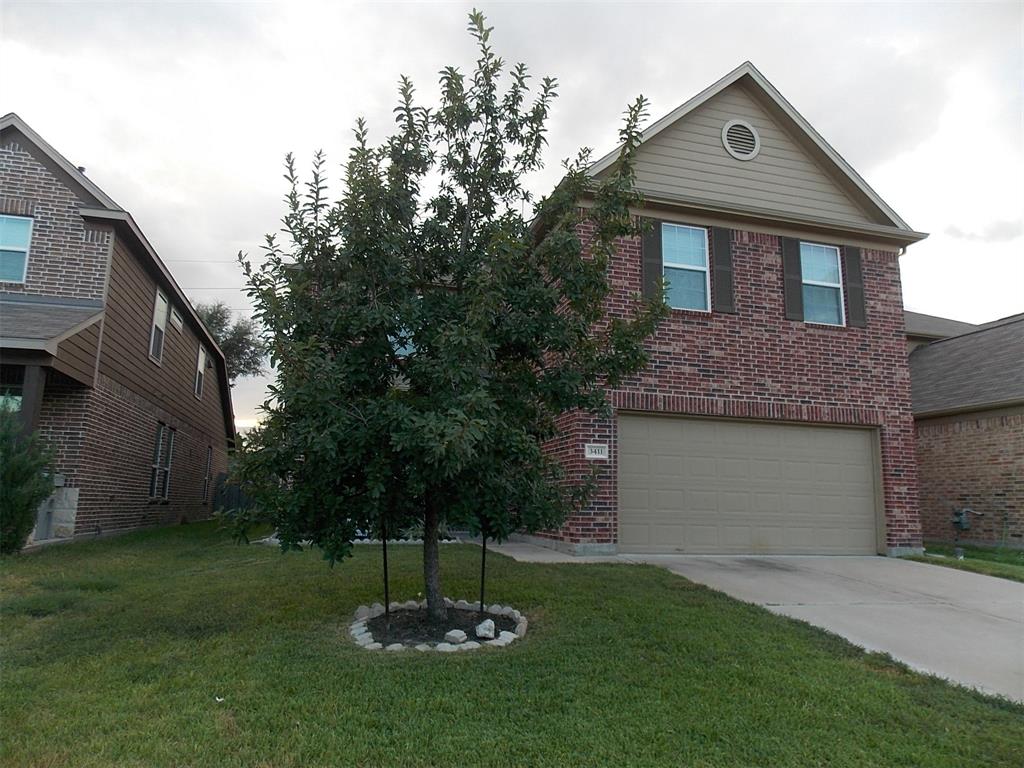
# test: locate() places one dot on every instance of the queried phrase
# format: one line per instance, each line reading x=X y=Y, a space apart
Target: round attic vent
x=741 y=140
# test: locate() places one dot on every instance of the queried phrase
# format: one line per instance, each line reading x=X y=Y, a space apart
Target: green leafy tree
x=426 y=335
x=23 y=482
x=244 y=350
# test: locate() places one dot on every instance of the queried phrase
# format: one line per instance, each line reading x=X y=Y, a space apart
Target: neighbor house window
x=156 y=338
x=685 y=267
x=160 y=472
x=200 y=371
x=822 y=284
x=15 y=236
x=209 y=470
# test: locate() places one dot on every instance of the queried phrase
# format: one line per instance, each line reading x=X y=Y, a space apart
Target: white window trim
x=839 y=285
x=176 y=320
x=27 y=251
x=154 y=472
x=705 y=269
x=200 y=379
x=161 y=325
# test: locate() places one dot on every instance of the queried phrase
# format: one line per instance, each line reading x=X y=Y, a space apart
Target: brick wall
x=103 y=438
x=67 y=257
x=973 y=460
x=756 y=364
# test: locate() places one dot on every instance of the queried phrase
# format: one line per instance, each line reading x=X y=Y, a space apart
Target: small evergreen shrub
x=23 y=482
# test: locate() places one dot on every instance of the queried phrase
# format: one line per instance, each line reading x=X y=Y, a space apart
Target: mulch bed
x=413 y=627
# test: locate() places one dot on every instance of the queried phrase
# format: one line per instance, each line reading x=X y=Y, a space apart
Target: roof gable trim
x=750 y=71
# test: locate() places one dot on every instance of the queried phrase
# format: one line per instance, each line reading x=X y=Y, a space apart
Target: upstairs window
x=15 y=236
x=160 y=471
x=201 y=362
x=684 y=253
x=822 y=278
x=159 y=332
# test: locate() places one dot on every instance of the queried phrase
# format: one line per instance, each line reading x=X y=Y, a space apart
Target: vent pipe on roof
x=81 y=169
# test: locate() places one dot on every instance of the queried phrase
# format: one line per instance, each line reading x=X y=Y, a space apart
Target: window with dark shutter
x=856 y=315
x=793 y=279
x=721 y=255
x=652 y=263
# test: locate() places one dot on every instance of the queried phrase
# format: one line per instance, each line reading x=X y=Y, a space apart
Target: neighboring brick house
x=102 y=353
x=774 y=416
x=968 y=395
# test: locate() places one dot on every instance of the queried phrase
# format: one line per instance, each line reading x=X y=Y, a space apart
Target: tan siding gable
x=687 y=161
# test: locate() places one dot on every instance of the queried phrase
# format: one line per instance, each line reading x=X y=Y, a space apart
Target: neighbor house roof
x=43 y=322
x=980 y=369
x=891 y=224
x=934 y=327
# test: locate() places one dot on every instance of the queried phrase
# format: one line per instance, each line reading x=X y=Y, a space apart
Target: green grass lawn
x=114 y=653
x=1005 y=563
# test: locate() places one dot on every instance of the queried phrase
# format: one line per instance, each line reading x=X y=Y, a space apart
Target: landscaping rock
x=362 y=613
x=508 y=610
x=376 y=610
x=373 y=647
x=410 y=605
x=494 y=610
x=515 y=616
x=424 y=647
x=485 y=630
x=455 y=636
x=357 y=629
x=395 y=606
x=446 y=647
x=395 y=647
x=503 y=639
x=461 y=605
x=472 y=644
x=521 y=628
x=364 y=640
x=448 y=602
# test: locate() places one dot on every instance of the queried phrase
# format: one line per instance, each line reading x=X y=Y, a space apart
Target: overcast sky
x=182 y=112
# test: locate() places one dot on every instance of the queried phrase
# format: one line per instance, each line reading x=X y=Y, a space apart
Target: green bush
x=23 y=482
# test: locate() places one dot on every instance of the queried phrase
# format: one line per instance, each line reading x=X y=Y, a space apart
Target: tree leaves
x=426 y=334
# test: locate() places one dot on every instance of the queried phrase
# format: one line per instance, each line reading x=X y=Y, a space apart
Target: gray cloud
x=996 y=232
x=183 y=111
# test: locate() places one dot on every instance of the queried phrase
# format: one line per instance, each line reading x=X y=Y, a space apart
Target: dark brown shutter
x=721 y=254
x=856 y=315
x=794 y=284
x=652 y=261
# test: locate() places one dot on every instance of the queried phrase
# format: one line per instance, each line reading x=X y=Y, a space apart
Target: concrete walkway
x=961 y=626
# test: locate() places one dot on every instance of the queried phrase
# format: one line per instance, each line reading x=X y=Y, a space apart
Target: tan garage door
x=709 y=486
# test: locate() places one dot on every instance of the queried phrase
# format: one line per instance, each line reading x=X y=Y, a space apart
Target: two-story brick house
x=102 y=353
x=775 y=414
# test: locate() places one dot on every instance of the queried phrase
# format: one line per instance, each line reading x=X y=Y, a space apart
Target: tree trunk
x=432 y=567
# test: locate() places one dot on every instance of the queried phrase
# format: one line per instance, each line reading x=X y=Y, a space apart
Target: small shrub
x=23 y=482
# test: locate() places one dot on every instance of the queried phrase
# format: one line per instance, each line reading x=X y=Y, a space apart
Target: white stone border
x=362 y=636
x=273 y=541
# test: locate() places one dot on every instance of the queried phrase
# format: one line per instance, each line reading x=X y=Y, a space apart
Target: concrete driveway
x=961 y=626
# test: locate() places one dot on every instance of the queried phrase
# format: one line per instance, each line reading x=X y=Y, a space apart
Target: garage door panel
x=724 y=486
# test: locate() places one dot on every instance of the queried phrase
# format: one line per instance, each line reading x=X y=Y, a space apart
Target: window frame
x=163 y=327
x=821 y=284
x=27 y=251
x=160 y=469
x=665 y=263
x=208 y=476
x=198 y=383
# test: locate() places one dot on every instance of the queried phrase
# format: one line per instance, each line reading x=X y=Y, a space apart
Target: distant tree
x=23 y=482
x=425 y=342
x=244 y=350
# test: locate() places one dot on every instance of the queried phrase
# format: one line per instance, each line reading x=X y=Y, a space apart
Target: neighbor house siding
x=687 y=161
x=755 y=364
x=973 y=460
x=76 y=356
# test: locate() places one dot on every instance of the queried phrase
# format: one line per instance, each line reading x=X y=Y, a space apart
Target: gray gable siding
x=687 y=160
